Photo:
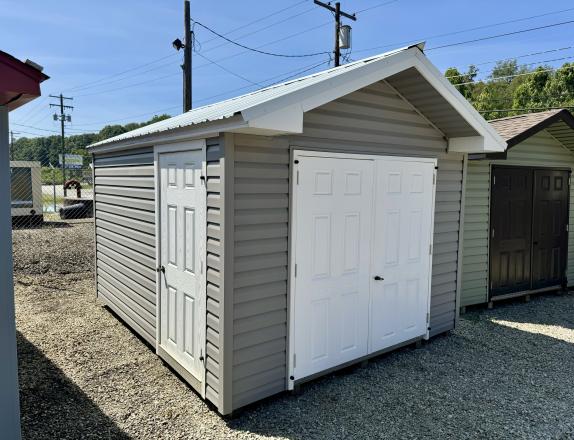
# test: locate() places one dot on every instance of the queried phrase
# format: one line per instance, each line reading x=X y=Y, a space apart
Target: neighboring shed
x=295 y=229
x=518 y=211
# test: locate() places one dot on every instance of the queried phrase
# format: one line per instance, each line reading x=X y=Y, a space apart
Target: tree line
x=46 y=149
x=515 y=88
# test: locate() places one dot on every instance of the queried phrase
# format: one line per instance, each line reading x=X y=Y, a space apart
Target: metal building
x=518 y=211
x=262 y=241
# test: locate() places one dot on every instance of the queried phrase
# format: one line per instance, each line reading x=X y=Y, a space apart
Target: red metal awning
x=19 y=81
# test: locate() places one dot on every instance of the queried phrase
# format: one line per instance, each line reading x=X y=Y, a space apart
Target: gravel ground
x=504 y=373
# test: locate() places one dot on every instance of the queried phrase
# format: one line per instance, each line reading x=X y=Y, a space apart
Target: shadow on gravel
x=485 y=380
x=52 y=406
x=536 y=311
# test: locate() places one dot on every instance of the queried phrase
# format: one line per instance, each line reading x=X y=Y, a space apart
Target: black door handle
x=161 y=269
x=378 y=278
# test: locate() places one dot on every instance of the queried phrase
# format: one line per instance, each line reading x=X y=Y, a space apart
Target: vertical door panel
x=510 y=230
x=332 y=249
x=182 y=212
x=549 y=233
x=401 y=251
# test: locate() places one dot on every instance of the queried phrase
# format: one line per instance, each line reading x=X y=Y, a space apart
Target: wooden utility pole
x=338 y=13
x=62 y=117
x=188 y=44
x=12 y=133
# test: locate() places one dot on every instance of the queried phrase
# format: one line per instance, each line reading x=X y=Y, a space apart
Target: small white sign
x=73 y=160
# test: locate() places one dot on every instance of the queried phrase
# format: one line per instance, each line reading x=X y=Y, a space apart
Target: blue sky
x=84 y=45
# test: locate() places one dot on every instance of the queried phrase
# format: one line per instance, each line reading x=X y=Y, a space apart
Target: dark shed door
x=510 y=230
x=549 y=228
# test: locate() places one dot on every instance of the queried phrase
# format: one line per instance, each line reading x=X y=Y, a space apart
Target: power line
x=128 y=86
x=291 y=74
x=258 y=20
x=227 y=70
x=525 y=109
x=491 y=37
x=258 y=30
x=122 y=72
x=534 y=72
x=522 y=65
x=447 y=34
x=253 y=49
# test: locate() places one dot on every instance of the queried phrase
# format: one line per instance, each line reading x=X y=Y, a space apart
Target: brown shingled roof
x=515 y=129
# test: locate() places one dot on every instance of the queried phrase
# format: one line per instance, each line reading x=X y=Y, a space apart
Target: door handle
x=379 y=278
x=161 y=269
x=535 y=243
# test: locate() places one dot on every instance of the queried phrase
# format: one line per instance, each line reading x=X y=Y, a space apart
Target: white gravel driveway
x=505 y=373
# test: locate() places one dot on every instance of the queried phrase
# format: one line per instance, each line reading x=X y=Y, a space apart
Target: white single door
x=401 y=266
x=182 y=303
x=333 y=200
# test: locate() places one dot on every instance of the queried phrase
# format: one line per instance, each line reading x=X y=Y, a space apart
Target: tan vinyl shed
x=519 y=211
x=259 y=242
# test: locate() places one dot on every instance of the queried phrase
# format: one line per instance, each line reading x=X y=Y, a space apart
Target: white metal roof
x=278 y=109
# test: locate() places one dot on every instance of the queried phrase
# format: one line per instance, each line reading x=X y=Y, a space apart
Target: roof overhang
x=20 y=81
x=563 y=115
x=283 y=113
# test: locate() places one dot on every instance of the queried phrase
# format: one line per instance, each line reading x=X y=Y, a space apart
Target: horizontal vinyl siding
x=214 y=318
x=125 y=237
x=260 y=268
x=474 y=288
x=374 y=120
x=541 y=150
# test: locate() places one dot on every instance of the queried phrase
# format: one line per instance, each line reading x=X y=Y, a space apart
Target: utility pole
x=338 y=13
x=187 y=46
x=12 y=133
x=62 y=117
x=187 y=59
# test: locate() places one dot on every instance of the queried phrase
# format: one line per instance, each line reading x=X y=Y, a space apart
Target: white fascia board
x=468 y=144
x=287 y=110
x=193 y=132
x=492 y=141
x=285 y=120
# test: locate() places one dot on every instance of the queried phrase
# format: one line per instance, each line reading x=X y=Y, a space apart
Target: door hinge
x=434 y=179
x=297 y=177
x=428 y=317
x=295 y=270
x=430 y=249
x=491 y=285
x=294 y=360
x=492 y=232
x=493 y=180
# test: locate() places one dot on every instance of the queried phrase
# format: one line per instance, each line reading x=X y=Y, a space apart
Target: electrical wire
x=128 y=86
x=122 y=72
x=491 y=37
x=522 y=65
x=525 y=109
x=291 y=74
x=231 y=72
x=462 y=31
x=258 y=20
x=534 y=72
x=253 y=49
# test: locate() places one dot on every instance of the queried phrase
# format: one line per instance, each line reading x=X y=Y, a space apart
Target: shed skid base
x=358 y=361
x=526 y=294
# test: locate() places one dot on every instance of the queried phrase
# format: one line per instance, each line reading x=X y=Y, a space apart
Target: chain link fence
x=44 y=193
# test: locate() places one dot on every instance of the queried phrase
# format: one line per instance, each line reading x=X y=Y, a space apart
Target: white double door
x=182 y=275
x=362 y=245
